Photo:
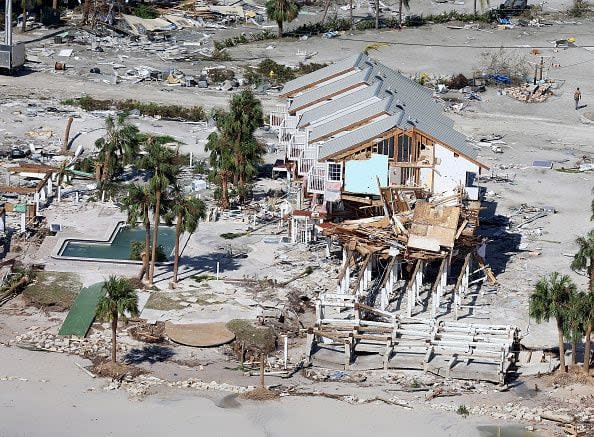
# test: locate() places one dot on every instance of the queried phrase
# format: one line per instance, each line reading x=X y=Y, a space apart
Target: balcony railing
x=277 y=117
x=316 y=179
x=308 y=159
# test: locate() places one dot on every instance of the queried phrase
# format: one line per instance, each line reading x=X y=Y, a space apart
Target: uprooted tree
x=259 y=338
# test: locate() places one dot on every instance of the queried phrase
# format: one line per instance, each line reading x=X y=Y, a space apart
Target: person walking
x=577 y=96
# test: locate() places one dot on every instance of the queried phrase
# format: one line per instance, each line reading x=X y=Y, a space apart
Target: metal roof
x=374 y=109
x=337 y=104
x=323 y=74
x=314 y=94
x=358 y=136
x=400 y=94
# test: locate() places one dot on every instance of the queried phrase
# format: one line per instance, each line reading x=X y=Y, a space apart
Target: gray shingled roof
x=324 y=73
x=401 y=92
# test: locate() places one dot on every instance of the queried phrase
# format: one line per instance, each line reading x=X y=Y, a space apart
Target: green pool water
x=119 y=248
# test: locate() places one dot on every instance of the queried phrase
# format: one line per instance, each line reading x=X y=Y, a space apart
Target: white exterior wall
x=450 y=171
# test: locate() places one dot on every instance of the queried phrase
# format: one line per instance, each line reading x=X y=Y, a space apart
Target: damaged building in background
x=382 y=173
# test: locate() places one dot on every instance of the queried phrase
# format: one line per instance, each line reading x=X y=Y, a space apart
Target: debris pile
x=96 y=344
x=530 y=93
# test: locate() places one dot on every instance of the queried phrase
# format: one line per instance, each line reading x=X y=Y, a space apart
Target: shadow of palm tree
x=149 y=354
x=203 y=264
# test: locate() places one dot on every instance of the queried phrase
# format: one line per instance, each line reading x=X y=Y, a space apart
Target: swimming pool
x=118 y=246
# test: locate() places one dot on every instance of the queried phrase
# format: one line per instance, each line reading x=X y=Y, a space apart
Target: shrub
x=146 y=11
x=457 y=82
x=174 y=112
x=462 y=411
x=511 y=63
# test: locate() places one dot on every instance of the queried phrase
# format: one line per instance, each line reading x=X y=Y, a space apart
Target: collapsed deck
x=408 y=287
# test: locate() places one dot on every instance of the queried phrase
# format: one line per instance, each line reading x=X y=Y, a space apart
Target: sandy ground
x=551 y=130
x=58 y=399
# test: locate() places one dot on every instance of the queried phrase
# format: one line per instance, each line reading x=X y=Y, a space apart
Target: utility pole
x=8 y=23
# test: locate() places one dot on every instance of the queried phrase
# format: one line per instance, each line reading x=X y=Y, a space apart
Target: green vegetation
x=462 y=411
x=187 y=212
x=170 y=112
x=203 y=278
x=234 y=151
x=579 y=9
x=277 y=74
x=53 y=291
x=550 y=300
x=244 y=38
x=163 y=301
x=254 y=337
x=282 y=11
x=146 y=11
x=137 y=247
x=232 y=235
x=160 y=161
x=120 y=299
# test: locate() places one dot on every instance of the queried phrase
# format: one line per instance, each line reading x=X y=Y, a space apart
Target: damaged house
x=385 y=176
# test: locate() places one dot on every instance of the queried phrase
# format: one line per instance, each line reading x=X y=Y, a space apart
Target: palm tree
x=119 y=300
x=137 y=204
x=406 y=4
x=161 y=161
x=281 y=11
x=586 y=313
x=550 y=299
x=187 y=212
x=574 y=321
x=584 y=260
x=118 y=147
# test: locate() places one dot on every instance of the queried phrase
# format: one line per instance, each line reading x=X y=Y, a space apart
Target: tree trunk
x=86 y=11
x=326 y=10
x=573 y=352
x=377 y=13
x=224 y=193
x=155 y=237
x=280 y=28
x=400 y=15
x=147 y=244
x=587 y=348
x=105 y=168
x=561 y=347
x=351 y=13
x=475 y=7
x=176 y=259
x=262 y=355
x=67 y=131
x=114 y=328
x=24 y=23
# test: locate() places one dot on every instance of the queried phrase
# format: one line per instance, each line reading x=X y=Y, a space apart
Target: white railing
x=277 y=117
x=296 y=145
x=307 y=160
x=316 y=178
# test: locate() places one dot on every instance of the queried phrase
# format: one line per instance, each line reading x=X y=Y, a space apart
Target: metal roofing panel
x=328 y=90
x=417 y=102
x=335 y=105
x=348 y=119
x=323 y=73
x=358 y=136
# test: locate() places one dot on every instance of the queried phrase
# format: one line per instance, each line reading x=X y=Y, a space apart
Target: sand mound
x=259 y=394
x=115 y=370
x=199 y=334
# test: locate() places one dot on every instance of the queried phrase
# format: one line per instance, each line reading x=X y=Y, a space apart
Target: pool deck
x=95 y=222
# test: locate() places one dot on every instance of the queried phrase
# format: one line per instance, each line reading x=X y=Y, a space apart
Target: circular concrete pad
x=199 y=334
